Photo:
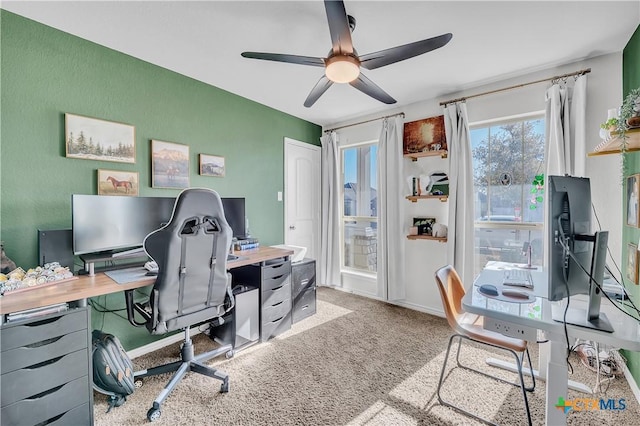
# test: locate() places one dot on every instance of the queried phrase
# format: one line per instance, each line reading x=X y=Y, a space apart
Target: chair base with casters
x=188 y=362
x=519 y=363
x=470 y=328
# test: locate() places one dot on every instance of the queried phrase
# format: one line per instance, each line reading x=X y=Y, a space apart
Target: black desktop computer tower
x=56 y=245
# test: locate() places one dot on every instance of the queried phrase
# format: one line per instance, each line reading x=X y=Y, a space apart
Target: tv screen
x=109 y=222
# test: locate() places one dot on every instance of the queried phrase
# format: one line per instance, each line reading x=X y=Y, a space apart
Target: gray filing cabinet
x=46 y=370
x=274 y=277
x=303 y=277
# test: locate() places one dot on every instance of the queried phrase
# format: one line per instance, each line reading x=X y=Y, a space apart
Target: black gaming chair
x=192 y=286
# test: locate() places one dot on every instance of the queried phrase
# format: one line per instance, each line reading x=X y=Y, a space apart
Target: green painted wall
x=631 y=80
x=46 y=73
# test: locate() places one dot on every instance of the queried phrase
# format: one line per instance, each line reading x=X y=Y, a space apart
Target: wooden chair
x=469 y=327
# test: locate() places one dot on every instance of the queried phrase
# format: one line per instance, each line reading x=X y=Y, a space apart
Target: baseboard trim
x=632 y=382
x=159 y=344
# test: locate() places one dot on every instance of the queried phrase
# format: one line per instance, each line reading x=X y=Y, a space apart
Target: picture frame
x=424 y=224
x=632 y=263
x=169 y=165
x=632 y=200
x=212 y=165
x=118 y=182
x=424 y=135
x=90 y=138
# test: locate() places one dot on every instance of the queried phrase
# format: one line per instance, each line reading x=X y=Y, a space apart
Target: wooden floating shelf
x=415 y=198
x=415 y=155
x=614 y=146
x=427 y=237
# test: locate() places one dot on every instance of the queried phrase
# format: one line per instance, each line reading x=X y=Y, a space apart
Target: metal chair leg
x=519 y=363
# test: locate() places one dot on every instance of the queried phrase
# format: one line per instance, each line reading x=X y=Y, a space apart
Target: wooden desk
x=85 y=286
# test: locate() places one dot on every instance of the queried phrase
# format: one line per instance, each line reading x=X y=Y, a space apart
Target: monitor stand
x=91 y=259
x=591 y=317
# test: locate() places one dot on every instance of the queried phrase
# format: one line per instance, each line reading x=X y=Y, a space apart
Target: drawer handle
x=43 y=394
x=44 y=342
x=44 y=363
x=304 y=307
x=276 y=288
x=276 y=320
x=279 y=303
x=304 y=282
x=278 y=277
x=43 y=322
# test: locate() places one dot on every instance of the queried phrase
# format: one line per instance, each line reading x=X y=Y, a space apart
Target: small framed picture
x=632 y=263
x=115 y=182
x=211 y=165
x=424 y=224
x=633 y=188
x=169 y=165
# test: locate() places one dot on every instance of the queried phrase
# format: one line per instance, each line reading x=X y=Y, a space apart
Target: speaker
x=56 y=245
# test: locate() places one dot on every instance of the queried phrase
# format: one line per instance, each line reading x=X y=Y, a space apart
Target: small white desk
x=538 y=315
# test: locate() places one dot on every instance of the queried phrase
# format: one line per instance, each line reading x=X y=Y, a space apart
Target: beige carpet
x=356 y=362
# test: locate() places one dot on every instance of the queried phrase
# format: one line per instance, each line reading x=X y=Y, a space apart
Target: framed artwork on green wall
x=211 y=165
x=632 y=263
x=116 y=182
x=94 y=139
x=169 y=165
x=633 y=192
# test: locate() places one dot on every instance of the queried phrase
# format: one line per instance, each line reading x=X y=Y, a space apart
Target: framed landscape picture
x=169 y=165
x=424 y=135
x=211 y=165
x=94 y=139
x=115 y=182
x=633 y=189
x=632 y=263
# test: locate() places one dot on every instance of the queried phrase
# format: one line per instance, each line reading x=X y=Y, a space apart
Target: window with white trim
x=508 y=176
x=359 y=217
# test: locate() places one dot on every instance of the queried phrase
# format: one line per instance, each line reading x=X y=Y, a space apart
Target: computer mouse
x=488 y=289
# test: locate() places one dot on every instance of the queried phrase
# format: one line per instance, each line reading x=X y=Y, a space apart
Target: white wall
x=423 y=257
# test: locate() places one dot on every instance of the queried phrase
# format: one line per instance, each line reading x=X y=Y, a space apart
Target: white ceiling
x=204 y=39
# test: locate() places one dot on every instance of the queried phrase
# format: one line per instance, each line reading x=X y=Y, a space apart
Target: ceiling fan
x=343 y=63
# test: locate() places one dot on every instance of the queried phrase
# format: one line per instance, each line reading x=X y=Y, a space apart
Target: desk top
x=85 y=286
x=539 y=313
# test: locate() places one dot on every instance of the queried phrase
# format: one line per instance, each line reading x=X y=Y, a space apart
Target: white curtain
x=565 y=118
x=329 y=270
x=391 y=227
x=461 y=197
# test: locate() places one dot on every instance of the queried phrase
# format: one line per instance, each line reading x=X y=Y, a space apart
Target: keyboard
x=517 y=278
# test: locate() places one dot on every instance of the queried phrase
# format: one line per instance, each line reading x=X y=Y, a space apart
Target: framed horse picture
x=116 y=182
x=169 y=165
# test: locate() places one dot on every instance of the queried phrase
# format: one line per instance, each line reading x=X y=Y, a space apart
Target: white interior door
x=302 y=196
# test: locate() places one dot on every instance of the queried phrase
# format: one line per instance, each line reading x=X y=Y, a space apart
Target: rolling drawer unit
x=274 y=277
x=303 y=277
x=46 y=370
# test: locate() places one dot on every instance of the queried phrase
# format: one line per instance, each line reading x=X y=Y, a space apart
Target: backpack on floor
x=112 y=369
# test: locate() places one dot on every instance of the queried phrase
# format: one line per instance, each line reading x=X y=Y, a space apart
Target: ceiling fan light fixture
x=342 y=68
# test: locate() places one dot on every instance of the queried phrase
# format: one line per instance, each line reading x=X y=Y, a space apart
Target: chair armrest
x=132 y=308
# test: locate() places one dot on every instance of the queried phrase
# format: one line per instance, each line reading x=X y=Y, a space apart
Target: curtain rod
x=363 y=122
x=557 y=77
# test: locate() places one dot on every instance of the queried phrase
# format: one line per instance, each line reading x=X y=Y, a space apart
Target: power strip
x=509 y=329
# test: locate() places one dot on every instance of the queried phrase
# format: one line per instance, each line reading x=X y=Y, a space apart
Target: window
x=509 y=212
x=360 y=207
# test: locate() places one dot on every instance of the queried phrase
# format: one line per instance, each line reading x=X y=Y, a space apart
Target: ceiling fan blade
x=339 y=27
x=368 y=87
x=379 y=59
x=321 y=86
x=292 y=59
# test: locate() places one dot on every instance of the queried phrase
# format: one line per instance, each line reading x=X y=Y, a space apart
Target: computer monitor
x=234 y=211
x=574 y=249
x=103 y=223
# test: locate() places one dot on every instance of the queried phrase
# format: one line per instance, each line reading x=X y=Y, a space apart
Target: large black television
x=576 y=257
x=105 y=223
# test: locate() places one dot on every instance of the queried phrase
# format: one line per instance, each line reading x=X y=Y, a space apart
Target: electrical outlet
x=510 y=329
